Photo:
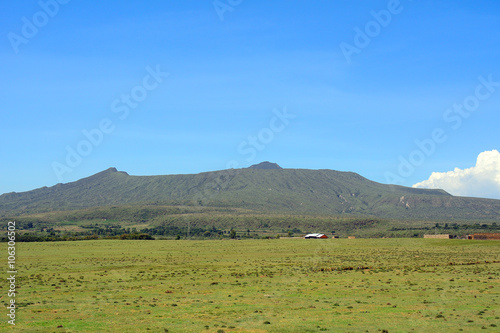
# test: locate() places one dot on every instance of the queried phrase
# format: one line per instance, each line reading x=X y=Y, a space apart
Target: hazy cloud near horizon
x=481 y=180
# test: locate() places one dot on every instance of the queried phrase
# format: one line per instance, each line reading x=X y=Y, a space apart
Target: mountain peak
x=106 y=172
x=113 y=170
x=265 y=165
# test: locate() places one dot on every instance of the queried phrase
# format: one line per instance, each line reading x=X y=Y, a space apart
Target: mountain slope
x=298 y=191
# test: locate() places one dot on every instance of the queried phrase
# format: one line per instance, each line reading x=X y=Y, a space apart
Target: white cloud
x=482 y=180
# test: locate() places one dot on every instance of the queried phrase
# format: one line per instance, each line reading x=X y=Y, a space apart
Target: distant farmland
x=287 y=285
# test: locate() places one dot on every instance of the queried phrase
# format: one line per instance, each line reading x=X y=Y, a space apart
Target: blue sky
x=212 y=84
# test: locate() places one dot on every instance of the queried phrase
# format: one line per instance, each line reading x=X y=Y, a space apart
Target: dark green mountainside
x=262 y=188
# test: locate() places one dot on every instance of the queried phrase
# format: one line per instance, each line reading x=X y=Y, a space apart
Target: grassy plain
x=285 y=285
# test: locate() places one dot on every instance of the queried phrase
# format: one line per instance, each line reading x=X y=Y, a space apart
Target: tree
x=232 y=233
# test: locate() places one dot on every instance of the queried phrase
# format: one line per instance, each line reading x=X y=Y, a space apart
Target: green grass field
x=286 y=285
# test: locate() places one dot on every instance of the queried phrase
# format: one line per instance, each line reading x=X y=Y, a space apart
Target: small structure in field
x=485 y=236
x=438 y=236
x=351 y=237
x=315 y=236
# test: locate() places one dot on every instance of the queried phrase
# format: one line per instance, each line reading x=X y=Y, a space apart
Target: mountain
x=265 y=165
x=264 y=187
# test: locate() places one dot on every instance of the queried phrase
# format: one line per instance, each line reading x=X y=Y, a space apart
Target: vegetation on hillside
x=185 y=222
x=262 y=201
x=283 y=191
